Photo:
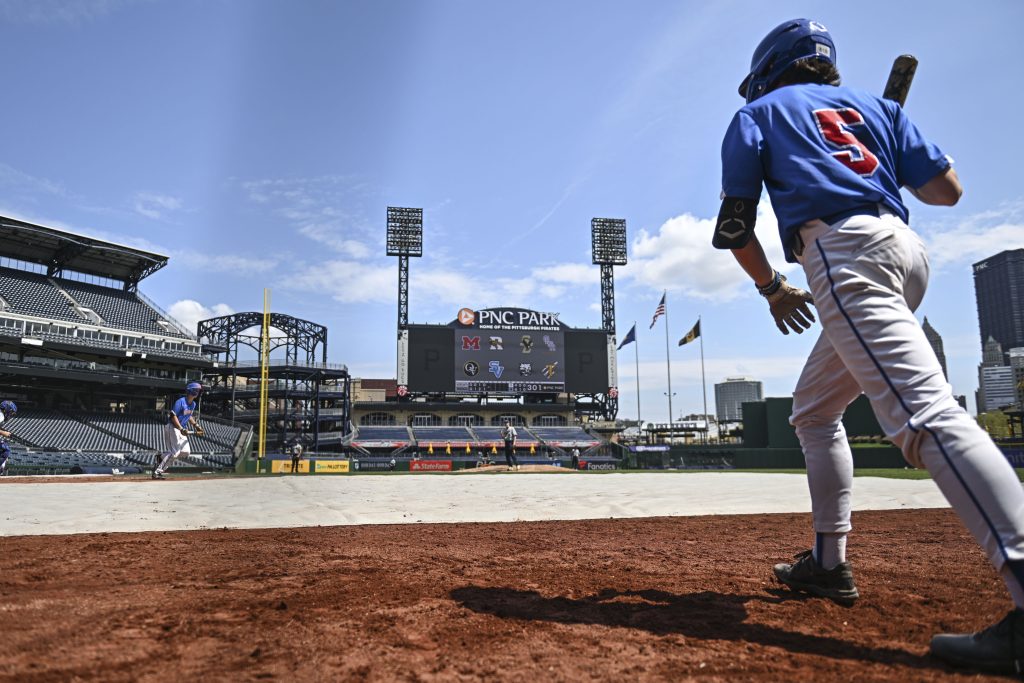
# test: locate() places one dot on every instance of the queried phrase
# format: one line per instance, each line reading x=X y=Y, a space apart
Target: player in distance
x=181 y=422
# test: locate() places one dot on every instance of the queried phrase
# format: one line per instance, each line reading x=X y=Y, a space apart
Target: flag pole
x=668 y=369
x=703 y=381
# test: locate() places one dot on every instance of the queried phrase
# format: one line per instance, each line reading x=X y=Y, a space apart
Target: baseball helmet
x=8 y=408
x=788 y=42
x=193 y=388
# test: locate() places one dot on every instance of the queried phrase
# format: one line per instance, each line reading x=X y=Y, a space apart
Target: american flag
x=659 y=311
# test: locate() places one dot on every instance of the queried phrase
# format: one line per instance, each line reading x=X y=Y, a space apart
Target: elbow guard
x=735 y=224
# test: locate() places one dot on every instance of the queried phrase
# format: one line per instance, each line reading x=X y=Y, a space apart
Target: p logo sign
x=466 y=316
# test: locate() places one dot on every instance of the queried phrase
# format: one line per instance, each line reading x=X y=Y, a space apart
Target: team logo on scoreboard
x=613 y=392
x=402 y=390
x=497 y=344
x=526 y=343
x=472 y=368
x=549 y=343
x=470 y=343
x=467 y=316
x=549 y=369
x=495 y=368
x=525 y=369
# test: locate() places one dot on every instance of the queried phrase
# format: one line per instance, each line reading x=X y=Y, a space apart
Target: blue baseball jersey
x=183 y=409
x=821 y=150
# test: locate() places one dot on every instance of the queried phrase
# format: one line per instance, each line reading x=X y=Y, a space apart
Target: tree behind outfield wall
x=995 y=423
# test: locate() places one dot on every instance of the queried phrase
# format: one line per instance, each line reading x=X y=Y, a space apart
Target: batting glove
x=788 y=305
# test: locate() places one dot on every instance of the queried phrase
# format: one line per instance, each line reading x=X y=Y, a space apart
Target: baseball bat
x=196 y=429
x=900 y=77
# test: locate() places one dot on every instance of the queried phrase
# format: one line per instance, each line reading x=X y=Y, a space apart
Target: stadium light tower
x=608 y=240
x=405 y=239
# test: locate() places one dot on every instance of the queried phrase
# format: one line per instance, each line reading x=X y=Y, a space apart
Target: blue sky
x=259 y=142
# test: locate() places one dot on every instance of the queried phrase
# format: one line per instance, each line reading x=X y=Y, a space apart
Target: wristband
x=772 y=286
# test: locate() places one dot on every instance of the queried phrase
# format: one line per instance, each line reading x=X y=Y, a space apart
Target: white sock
x=829 y=549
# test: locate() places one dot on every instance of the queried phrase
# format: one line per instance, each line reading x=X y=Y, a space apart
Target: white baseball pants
x=177 y=446
x=868 y=275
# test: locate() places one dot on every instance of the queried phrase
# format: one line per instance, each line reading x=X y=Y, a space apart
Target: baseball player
x=177 y=429
x=508 y=435
x=834 y=159
x=7 y=412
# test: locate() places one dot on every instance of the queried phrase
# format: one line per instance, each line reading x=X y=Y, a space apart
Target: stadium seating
x=494 y=435
x=566 y=437
x=119 y=309
x=52 y=430
x=149 y=431
x=53 y=441
x=378 y=434
x=441 y=435
x=33 y=294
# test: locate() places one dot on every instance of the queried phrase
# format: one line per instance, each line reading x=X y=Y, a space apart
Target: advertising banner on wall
x=285 y=466
x=330 y=466
x=430 y=466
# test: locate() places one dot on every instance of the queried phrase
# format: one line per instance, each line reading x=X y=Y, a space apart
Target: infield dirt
x=656 y=599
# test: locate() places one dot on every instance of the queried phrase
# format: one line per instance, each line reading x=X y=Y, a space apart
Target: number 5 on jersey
x=835 y=125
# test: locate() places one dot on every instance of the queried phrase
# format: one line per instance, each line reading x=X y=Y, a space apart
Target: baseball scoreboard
x=505 y=351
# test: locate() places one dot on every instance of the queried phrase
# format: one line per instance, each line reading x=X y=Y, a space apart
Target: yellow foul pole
x=264 y=371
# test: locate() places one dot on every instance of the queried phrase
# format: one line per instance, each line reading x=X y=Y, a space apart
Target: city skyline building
x=731 y=394
x=935 y=341
x=999 y=292
x=998 y=389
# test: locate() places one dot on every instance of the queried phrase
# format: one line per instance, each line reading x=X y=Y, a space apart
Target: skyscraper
x=999 y=290
x=731 y=394
x=936 y=343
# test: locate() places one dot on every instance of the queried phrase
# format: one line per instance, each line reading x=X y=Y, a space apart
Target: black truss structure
x=405 y=239
x=230 y=331
x=305 y=390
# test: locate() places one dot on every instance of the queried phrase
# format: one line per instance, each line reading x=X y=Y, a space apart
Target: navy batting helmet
x=193 y=388
x=8 y=408
x=788 y=42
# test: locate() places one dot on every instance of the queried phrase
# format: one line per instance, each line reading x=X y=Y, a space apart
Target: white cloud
x=16 y=181
x=330 y=237
x=568 y=273
x=155 y=206
x=347 y=281
x=350 y=281
x=57 y=11
x=688 y=370
x=326 y=209
x=680 y=258
x=189 y=312
x=975 y=237
x=224 y=263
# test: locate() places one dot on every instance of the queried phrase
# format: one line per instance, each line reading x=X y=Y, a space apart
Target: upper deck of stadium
x=69 y=290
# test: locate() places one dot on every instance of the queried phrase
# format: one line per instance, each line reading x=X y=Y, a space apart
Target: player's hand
x=184 y=432
x=788 y=305
x=199 y=431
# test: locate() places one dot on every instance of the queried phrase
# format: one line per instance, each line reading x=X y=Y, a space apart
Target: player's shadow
x=705 y=616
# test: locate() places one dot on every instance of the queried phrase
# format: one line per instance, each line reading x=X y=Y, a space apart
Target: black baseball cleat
x=807 y=575
x=997 y=649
